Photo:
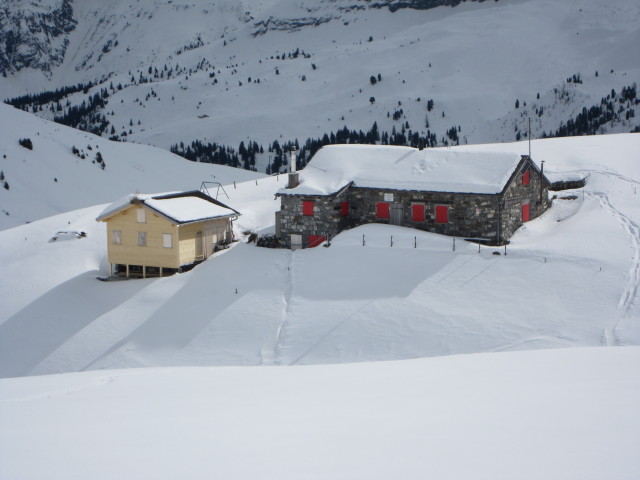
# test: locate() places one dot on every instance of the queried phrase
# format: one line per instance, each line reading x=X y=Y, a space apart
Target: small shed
x=479 y=195
x=161 y=234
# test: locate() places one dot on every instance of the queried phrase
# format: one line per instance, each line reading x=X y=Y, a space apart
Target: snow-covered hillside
x=230 y=71
x=570 y=278
x=50 y=178
x=569 y=414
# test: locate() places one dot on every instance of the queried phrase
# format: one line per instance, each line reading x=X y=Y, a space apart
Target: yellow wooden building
x=158 y=235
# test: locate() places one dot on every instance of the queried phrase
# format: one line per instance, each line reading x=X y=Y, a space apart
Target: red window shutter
x=526 y=214
x=526 y=177
x=307 y=207
x=442 y=214
x=344 y=209
x=382 y=210
x=417 y=213
x=315 y=240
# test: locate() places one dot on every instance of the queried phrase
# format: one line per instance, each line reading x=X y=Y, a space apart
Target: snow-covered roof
x=405 y=168
x=181 y=207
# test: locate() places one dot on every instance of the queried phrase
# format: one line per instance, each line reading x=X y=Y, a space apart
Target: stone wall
x=492 y=218
x=516 y=194
x=470 y=215
x=326 y=220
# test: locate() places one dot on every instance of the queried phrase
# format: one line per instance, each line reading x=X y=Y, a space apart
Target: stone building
x=483 y=196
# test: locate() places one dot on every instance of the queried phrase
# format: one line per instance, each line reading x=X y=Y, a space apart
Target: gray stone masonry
x=493 y=218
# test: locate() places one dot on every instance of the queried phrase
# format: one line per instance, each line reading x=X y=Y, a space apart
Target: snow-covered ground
x=570 y=278
x=569 y=414
x=220 y=409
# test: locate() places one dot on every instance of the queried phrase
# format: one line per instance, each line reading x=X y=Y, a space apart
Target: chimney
x=294 y=180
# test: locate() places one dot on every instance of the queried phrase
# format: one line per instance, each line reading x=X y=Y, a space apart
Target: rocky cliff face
x=34 y=34
x=394 y=5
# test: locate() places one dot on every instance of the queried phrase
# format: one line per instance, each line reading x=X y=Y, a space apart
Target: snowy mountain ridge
x=285 y=70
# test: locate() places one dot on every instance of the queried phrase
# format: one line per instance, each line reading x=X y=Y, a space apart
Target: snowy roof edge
x=131 y=199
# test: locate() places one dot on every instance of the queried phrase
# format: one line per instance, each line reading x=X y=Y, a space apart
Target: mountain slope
x=50 y=178
x=281 y=70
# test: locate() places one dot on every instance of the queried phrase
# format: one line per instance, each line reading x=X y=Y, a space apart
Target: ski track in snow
x=627 y=299
x=98 y=383
x=335 y=327
x=271 y=348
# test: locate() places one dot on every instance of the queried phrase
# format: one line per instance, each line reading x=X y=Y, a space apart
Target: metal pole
x=454 y=244
x=529 y=135
x=541 y=179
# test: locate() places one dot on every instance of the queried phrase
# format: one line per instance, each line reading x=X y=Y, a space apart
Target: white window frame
x=167 y=240
x=141 y=215
x=142 y=239
x=116 y=237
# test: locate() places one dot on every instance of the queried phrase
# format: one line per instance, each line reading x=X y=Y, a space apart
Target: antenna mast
x=529 y=135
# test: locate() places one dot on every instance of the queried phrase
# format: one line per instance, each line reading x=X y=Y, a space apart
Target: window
x=344 y=209
x=141 y=215
x=142 y=239
x=442 y=214
x=315 y=240
x=382 y=210
x=116 y=237
x=526 y=213
x=167 y=241
x=417 y=212
x=526 y=177
x=307 y=207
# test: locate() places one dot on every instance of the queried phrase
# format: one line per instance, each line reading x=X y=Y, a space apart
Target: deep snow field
x=569 y=279
x=549 y=414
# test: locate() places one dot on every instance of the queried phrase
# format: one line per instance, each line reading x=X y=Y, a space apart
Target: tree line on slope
x=612 y=108
x=245 y=155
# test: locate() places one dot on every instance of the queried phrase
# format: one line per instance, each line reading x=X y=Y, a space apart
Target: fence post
x=234 y=184
x=392 y=240
x=363 y=239
x=505 y=249
x=415 y=242
x=454 y=244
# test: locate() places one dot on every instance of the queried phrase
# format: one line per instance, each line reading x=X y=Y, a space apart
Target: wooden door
x=396 y=214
